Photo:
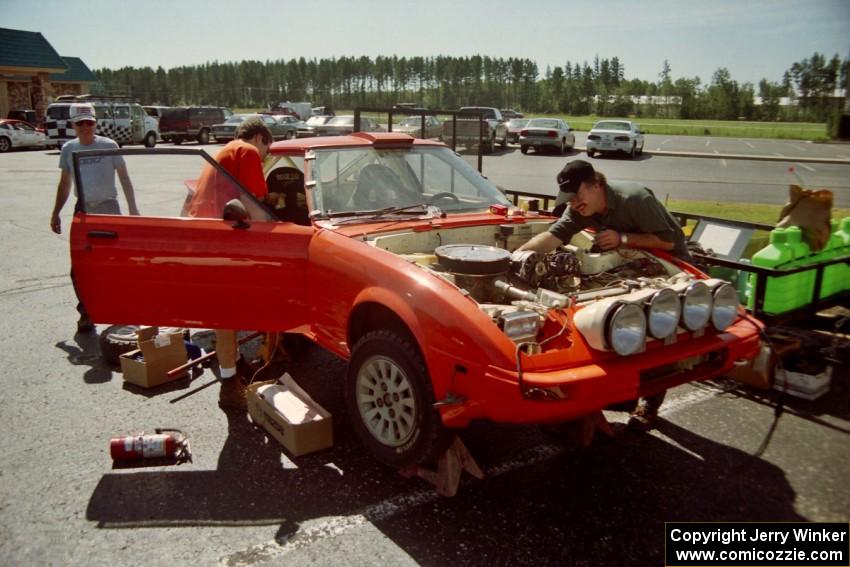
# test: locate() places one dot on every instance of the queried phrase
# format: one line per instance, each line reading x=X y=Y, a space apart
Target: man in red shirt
x=243 y=159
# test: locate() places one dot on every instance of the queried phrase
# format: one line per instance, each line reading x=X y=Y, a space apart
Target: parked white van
x=119 y=118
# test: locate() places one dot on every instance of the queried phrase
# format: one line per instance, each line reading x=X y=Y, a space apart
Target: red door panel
x=191 y=272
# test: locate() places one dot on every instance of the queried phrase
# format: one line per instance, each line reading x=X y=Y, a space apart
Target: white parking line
x=749 y=144
x=665 y=141
x=310 y=531
x=723 y=163
x=708 y=142
x=798 y=148
x=778 y=154
x=804 y=166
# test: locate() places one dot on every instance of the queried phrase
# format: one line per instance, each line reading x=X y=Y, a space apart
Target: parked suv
x=190 y=123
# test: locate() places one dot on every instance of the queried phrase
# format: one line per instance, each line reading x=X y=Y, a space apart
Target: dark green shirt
x=631 y=208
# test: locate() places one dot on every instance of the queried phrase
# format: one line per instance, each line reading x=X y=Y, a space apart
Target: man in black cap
x=624 y=215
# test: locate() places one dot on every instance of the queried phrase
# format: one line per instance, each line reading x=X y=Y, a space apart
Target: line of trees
x=448 y=82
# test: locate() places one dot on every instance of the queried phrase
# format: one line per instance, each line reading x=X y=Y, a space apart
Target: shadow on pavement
x=604 y=505
x=85 y=351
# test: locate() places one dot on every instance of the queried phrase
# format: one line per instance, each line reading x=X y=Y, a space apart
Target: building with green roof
x=32 y=73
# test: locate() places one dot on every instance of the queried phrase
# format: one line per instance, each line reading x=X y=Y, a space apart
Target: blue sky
x=754 y=39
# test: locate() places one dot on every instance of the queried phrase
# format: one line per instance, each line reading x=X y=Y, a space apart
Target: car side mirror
x=572 y=130
x=234 y=210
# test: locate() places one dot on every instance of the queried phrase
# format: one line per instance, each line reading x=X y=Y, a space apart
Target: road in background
x=722 y=180
x=243 y=501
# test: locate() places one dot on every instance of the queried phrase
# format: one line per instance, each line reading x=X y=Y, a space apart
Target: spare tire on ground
x=118 y=339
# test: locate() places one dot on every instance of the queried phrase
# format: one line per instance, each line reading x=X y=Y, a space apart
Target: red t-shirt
x=214 y=190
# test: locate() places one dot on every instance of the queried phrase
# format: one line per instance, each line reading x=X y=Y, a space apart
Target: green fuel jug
x=779 y=293
x=804 y=282
x=844 y=233
x=832 y=275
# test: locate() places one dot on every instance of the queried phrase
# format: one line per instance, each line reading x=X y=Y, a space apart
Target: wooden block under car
x=290 y=415
x=158 y=353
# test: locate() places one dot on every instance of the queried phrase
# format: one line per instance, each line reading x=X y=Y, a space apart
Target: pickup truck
x=493 y=128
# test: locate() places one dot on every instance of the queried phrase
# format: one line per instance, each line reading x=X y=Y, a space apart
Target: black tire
x=590 y=153
x=5 y=144
x=385 y=361
x=640 y=151
x=204 y=137
x=119 y=339
x=490 y=145
x=633 y=151
x=150 y=140
x=523 y=149
x=563 y=146
x=178 y=141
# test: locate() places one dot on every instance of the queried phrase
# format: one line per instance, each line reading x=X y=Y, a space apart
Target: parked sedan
x=515 y=126
x=402 y=269
x=281 y=130
x=344 y=125
x=307 y=129
x=20 y=134
x=615 y=136
x=287 y=127
x=546 y=133
x=413 y=125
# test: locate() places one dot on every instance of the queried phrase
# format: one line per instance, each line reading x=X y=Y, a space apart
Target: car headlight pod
x=663 y=311
x=725 y=306
x=696 y=306
x=626 y=329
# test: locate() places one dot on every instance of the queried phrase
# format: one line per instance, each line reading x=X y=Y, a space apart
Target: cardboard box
x=759 y=372
x=158 y=353
x=290 y=415
x=800 y=385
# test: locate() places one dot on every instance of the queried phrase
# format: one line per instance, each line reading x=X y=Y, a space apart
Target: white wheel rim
x=385 y=401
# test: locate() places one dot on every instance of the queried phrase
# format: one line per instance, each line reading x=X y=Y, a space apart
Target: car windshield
x=608 y=125
x=517 y=123
x=543 y=123
x=316 y=120
x=236 y=119
x=370 y=179
x=411 y=121
x=341 y=121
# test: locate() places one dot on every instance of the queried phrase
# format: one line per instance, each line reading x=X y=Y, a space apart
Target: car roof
x=361 y=139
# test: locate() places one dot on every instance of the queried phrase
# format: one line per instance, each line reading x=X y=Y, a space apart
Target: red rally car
x=396 y=255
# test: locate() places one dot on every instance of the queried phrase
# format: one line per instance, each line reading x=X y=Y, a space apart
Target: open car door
x=177 y=263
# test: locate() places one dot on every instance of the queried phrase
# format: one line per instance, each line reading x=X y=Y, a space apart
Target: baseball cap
x=572 y=176
x=82 y=111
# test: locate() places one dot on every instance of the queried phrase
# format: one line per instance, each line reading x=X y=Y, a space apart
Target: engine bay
x=519 y=290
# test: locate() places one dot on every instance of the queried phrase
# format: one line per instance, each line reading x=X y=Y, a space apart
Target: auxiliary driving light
x=663 y=311
x=725 y=308
x=626 y=332
x=696 y=306
x=520 y=325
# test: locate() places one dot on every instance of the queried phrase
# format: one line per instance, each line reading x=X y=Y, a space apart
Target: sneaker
x=84 y=324
x=643 y=418
x=233 y=393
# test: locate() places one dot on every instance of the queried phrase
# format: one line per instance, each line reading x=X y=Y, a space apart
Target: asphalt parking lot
x=722 y=452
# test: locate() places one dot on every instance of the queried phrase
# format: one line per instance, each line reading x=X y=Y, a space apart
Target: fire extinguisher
x=163 y=443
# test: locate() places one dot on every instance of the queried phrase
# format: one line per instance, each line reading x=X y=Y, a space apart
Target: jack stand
x=584 y=428
x=450 y=464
